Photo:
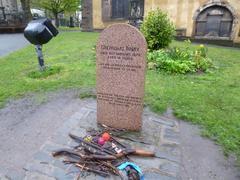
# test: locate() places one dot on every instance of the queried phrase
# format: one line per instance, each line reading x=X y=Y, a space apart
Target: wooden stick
x=82 y=162
x=114 y=169
x=137 y=152
x=83 y=156
x=102 y=173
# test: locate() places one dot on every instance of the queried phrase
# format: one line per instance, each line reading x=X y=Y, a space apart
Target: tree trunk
x=56 y=19
x=27 y=10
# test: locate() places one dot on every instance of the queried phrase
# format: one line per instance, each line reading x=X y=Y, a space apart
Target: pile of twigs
x=101 y=153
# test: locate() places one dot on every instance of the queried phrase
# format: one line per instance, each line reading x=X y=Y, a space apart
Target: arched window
x=215 y=21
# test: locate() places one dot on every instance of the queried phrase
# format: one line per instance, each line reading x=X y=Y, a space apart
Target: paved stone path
x=161 y=132
x=11 y=42
x=34 y=126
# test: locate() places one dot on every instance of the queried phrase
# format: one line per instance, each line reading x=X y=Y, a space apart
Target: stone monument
x=121 y=63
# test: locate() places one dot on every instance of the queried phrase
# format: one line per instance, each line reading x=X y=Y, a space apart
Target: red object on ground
x=101 y=141
x=106 y=136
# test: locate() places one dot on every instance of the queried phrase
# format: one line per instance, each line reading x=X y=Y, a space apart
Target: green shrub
x=158 y=30
x=180 y=61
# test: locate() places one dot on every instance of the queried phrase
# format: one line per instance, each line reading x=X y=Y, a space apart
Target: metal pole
x=40 y=57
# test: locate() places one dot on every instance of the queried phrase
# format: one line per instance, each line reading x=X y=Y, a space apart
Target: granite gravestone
x=121 y=62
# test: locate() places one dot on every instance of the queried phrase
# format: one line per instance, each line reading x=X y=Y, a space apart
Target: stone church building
x=198 y=19
x=11 y=16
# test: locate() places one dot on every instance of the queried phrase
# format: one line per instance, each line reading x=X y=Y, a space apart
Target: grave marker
x=121 y=62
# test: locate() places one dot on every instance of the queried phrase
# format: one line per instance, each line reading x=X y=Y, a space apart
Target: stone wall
x=181 y=12
x=98 y=22
x=10 y=6
x=11 y=17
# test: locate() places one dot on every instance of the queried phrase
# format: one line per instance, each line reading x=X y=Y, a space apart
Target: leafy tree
x=58 y=6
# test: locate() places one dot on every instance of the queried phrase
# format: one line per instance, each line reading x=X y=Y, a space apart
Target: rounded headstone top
x=114 y=33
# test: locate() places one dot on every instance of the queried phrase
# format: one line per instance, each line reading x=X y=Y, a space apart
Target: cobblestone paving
x=162 y=132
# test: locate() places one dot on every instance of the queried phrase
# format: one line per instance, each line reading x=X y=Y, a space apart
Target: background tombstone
x=121 y=62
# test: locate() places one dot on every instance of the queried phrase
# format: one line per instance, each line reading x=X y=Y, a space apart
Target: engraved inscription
x=123 y=67
x=126 y=54
x=120 y=100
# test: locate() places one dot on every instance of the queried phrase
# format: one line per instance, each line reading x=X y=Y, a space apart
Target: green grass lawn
x=66 y=28
x=211 y=100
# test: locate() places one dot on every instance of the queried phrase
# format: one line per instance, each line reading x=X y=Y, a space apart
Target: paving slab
x=166 y=166
x=202 y=159
x=11 y=42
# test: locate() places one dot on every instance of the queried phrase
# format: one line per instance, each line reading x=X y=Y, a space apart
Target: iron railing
x=12 y=19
